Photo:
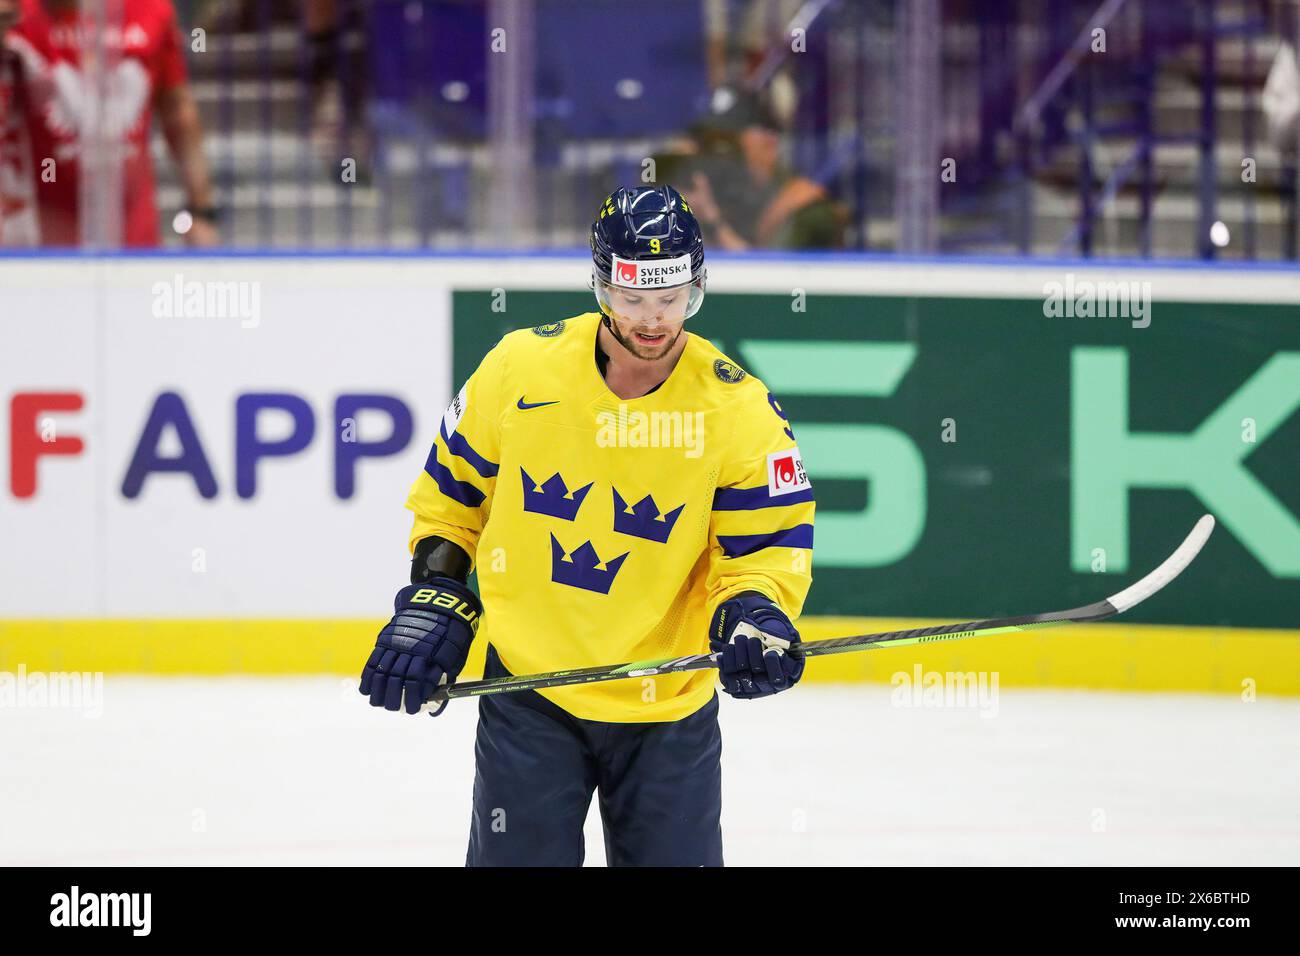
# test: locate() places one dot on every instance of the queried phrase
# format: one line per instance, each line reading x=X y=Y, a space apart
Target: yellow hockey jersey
x=607 y=530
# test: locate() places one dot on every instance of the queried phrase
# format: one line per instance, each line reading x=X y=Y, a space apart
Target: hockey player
x=625 y=492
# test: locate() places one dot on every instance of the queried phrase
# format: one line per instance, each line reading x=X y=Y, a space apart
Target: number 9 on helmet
x=647 y=254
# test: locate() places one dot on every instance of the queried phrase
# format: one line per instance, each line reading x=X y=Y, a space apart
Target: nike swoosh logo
x=524 y=406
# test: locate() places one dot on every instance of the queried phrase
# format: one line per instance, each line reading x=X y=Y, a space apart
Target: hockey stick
x=1117 y=603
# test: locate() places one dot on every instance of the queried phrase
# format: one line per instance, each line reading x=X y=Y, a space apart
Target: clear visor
x=672 y=304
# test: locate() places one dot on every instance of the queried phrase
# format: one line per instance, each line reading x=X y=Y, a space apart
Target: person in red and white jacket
x=146 y=74
x=18 y=226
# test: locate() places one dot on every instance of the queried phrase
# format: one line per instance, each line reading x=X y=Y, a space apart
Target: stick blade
x=1169 y=569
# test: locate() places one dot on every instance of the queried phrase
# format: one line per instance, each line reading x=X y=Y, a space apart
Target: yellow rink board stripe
x=1113 y=656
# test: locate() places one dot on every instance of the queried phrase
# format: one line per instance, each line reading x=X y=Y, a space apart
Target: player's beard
x=643 y=352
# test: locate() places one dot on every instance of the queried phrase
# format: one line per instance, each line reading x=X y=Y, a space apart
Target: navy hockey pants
x=536 y=767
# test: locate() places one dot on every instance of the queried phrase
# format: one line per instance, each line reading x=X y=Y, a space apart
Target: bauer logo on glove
x=424 y=646
x=758 y=647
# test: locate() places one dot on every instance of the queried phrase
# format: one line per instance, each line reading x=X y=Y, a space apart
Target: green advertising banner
x=977 y=457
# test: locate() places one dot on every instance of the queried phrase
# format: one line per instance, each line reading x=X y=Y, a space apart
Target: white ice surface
x=300 y=771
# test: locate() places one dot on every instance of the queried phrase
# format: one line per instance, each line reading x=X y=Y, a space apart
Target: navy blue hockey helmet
x=647 y=237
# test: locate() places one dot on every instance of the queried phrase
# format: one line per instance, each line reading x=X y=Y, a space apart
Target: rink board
x=1142 y=657
x=246 y=554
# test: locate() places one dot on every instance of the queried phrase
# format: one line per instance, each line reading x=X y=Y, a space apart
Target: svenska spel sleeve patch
x=456 y=410
x=785 y=473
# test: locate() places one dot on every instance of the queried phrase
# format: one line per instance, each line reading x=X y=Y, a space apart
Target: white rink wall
x=113 y=335
x=318 y=332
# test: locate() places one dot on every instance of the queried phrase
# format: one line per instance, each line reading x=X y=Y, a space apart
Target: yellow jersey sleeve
x=452 y=497
x=761 y=526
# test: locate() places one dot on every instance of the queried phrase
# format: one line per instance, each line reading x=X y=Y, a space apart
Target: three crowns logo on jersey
x=553 y=497
x=583 y=567
x=644 y=519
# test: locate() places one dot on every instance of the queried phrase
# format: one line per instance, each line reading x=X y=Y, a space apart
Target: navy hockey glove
x=423 y=646
x=759 y=646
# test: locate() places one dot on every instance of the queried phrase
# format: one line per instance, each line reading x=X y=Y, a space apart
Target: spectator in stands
x=1281 y=101
x=739 y=34
x=146 y=74
x=8 y=16
x=742 y=194
x=338 y=78
x=17 y=202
